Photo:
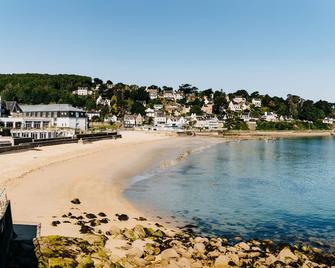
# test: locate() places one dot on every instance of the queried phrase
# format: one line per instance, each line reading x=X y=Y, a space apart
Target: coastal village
x=115 y=106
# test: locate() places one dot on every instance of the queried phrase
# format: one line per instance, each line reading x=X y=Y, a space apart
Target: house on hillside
x=270 y=117
x=101 y=101
x=158 y=107
x=129 y=121
x=239 y=99
x=93 y=114
x=139 y=120
x=168 y=94
x=256 y=102
x=328 y=121
x=153 y=93
x=159 y=118
x=82 y=91
x=245 y=116
x=149 y=112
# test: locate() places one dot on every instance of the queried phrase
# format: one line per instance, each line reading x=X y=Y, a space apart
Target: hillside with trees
x=120 y=99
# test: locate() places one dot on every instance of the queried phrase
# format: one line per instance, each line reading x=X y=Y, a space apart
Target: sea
x=282 y=190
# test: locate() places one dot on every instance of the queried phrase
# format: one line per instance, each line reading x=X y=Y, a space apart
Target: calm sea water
x=282 y=190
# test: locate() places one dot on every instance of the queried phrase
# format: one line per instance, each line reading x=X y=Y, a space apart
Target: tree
x=208 y=93
x=220 y=102
x=243 y=93
x=310 y=112
x=187 y=89
x=196 y=109
x=254 y=95
x=98 y=81
x=137 y=108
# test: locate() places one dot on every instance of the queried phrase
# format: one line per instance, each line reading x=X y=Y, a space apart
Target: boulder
x=122 y=217
x=286 y=256
x=114 y=230
x=75 y=201
x=184 y=262
x=270 y=260
x=222 y=262
x=169 y=253
x=139 y=231
x=129 y=234
x=200 y=248
x=242 y=246
x=62 y=262
x=135 y=252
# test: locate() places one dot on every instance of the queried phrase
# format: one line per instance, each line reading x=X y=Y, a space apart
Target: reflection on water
x=282 y=190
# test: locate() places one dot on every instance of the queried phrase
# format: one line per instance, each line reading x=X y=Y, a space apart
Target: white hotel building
x=45 y=121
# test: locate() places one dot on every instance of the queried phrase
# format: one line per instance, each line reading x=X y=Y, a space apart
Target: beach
x=41 y=183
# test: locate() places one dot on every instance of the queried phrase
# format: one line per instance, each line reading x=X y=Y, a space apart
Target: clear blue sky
x=274 y=46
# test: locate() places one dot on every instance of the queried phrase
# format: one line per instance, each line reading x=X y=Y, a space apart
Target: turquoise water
x=283 y=190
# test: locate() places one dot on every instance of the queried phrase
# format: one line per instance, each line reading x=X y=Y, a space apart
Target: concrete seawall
x=6 y=231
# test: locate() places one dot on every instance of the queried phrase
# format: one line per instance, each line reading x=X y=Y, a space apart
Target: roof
x=50 y=108
x=11 y=106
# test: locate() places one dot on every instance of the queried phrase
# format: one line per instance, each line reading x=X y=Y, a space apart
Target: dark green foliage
x=196 y=109
x=296 y=125
x=138 y=108
x=220 y=102
x=236 y=124
x=42 y=88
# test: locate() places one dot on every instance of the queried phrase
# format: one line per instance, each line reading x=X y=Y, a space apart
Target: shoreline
x=85 y=172
x=97 y=174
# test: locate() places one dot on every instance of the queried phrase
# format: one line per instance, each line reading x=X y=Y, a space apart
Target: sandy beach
x=41 y=183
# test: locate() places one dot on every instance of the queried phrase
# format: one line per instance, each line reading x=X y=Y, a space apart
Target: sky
x=271 y=46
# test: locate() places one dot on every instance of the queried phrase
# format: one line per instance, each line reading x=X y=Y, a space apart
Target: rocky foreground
x=105 y=245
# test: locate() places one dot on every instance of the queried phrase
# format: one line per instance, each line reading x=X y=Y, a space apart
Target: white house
x=153 y=93
x=270 y=117
x=158 y=107
x=102 y=101
x=239 y=99
x=176 y=122
x=149 y=112
x=234 y=106
x=245 y=116
x=61 y=115
x=257 y=102
x=168 y=94
x=82 y=91
x=328 y=120
x=206 y=122
x=139 y=120
x=159 y=118
x=90 y=115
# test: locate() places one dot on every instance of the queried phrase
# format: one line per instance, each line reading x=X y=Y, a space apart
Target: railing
x=3 y=202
